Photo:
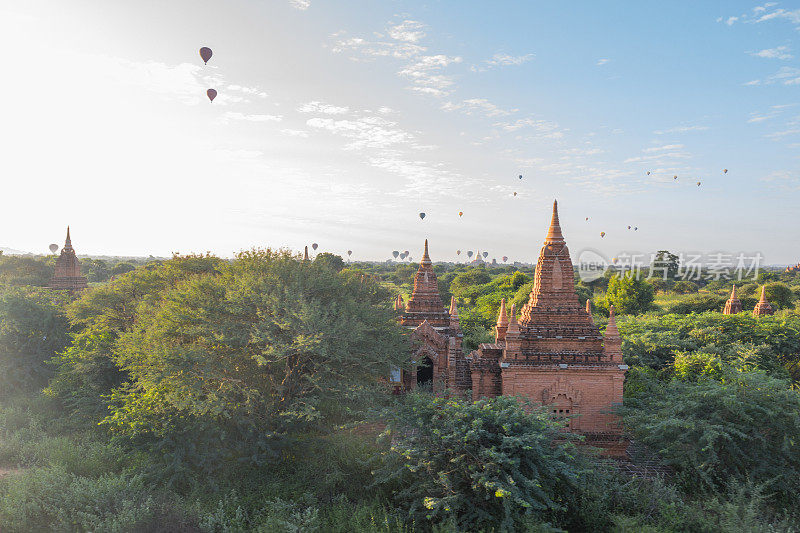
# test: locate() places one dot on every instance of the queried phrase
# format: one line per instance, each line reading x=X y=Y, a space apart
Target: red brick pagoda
x=554 y=354
x=67 y=275
x=733 y=305
x=436 y=334
x=763 y=307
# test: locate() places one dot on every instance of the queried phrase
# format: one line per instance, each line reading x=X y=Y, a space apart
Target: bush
x=490 y=464
x=628 y=294
x=744 y=427
x=684 y=287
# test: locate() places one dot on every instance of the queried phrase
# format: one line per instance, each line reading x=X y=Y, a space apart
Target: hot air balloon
x=698 y=183
x=587 y=219
x=636 y=228
x=206 y=54
x=54 y=248
x=614 y=260
x=395 y=254
x=315 y=246
x=211 y=94
x=602 y=234
x=724 y=170
x=515 y=194
x=461 y=213
x=458 y=252
x=406 y=252
x=469 y=253
x=422 y=216
x=520 y=176
x=648 y=172
x=675 y=177
x=629 y=227
x=505 y=258
x=349 y=252
x=485 y=254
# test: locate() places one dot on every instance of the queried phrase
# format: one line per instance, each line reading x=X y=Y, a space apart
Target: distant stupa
x=67 y=275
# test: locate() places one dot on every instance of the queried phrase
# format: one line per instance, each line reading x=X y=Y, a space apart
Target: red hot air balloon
x=422 y=216
x=315 y=246
x=212 y=93
x=206 y=54
x=505 y=258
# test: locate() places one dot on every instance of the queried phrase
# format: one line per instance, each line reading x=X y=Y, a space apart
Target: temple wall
x=588 y=392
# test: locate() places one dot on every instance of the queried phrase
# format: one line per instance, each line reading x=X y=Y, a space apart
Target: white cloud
x=409 y=31
x=731 y=20
x=425 y=71
x=321 y=107
x=601 y=62
x=502 y=60
x=302 y=5
x=663 y=148
x=364 y=132
x=780 y=52
x=248 y=90
x=477 y=105
x=295 y=133
x=232 y=115
x=541 y=126
x=680 y=129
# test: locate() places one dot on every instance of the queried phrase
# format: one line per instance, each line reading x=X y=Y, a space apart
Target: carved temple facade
x=552 y=353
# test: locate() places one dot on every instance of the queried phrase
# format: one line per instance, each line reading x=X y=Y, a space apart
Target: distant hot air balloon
x=349 y=252
x=614 y=260
x=675 y=177
x=725 y=171
x=485 y=254
x=422 y=216
x=406 y=252
x=515 y=194
x=458 y=252
x=587 y=219
x=520 y=176
x=636 y=228
x=698 y=183
x=602 y=234
x=315 y=246
x=461 y=213
x=648 y=172
x=469 y=253
x=206 y=54
x=505 y=258
x=629 y=227
x=395 y=254
x=54 y=248
x=211 y=94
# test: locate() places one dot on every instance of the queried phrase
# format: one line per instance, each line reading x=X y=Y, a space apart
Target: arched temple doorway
x=425 y=373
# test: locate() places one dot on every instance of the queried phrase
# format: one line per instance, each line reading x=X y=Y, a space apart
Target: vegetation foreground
x=198 y=394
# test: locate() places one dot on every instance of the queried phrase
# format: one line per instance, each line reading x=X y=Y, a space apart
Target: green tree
x=684 y=287
x=268 y=348
x=122 y=268
x=487 y=465
x=329 y=260
x=665 y=265
x=744 y=426
x=33 y=328
x=780 y=295
x=628 y=294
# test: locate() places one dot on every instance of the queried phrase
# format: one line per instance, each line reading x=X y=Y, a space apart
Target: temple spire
x=611 y=328
x=763 y=298
x=502 y=316
x=305 y=254
x=554 y=233
x=453 y=307
x=612 y=342
x=733 y=292
x=425 y=297
x=425 y=257
x=763 y=307
x=67 y=243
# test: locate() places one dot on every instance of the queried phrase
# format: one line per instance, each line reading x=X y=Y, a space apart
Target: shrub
x=491 y=464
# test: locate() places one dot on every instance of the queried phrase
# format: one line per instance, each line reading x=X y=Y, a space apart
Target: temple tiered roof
x=733 y=305
x=425 y=302
x=67 y=274
x=763 y=307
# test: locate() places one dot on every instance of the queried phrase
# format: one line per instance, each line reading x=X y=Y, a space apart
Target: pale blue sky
x=338 y=122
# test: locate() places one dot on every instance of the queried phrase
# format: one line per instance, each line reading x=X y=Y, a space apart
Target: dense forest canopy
x=203 y=394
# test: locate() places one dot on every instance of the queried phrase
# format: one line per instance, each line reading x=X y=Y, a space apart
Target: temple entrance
x=425 y=373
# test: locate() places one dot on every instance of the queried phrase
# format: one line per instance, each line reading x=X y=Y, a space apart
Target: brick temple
x=553 y=353
x=763 y=307
x=733 y=305
x=67 y=274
